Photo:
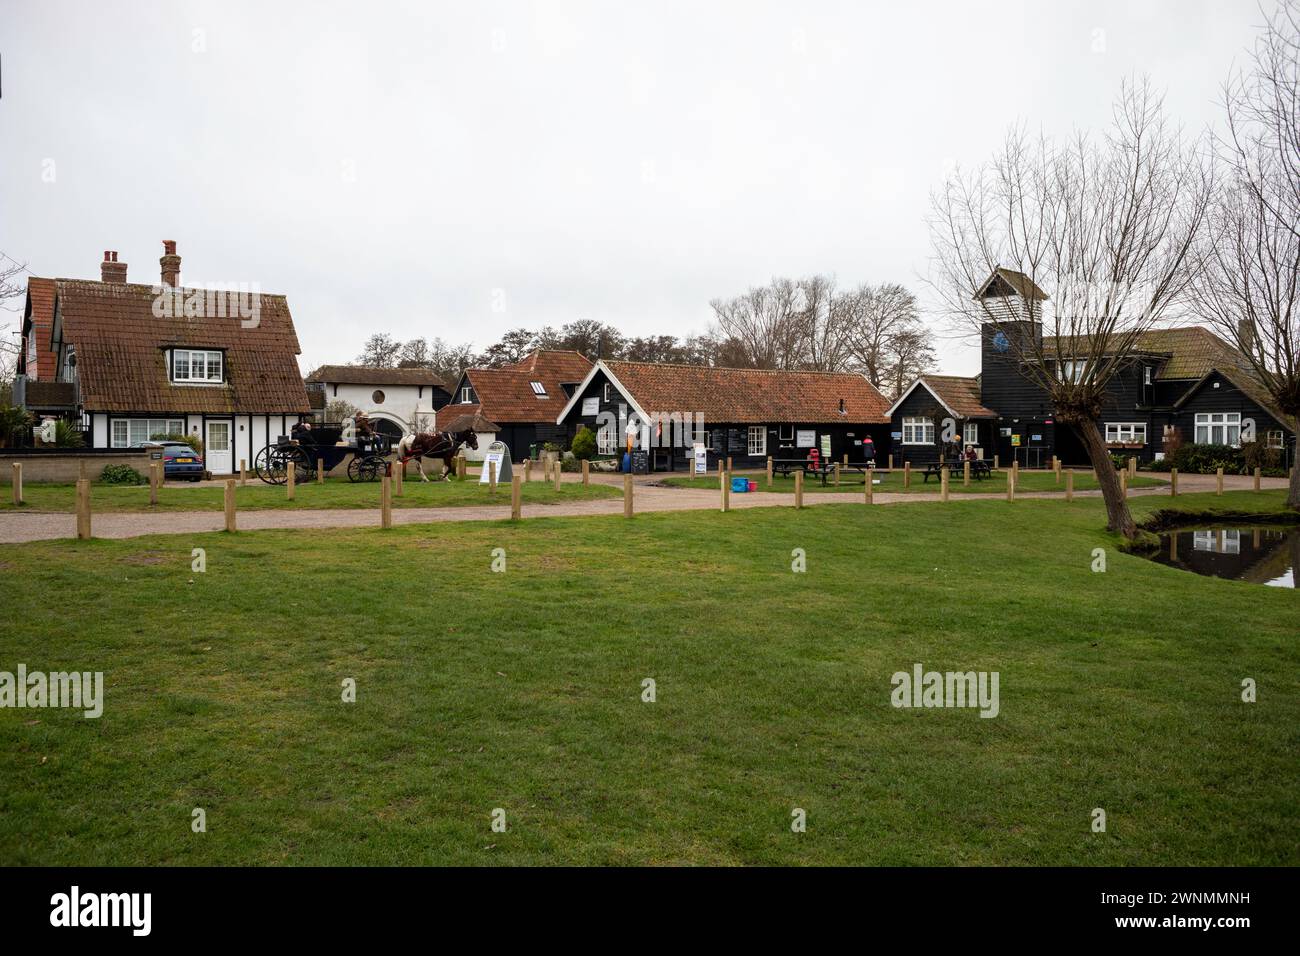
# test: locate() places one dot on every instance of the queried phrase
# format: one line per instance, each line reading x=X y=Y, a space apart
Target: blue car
x=180 y=461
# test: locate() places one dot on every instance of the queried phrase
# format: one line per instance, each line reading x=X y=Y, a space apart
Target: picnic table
x=979 y=469
x=822 y=469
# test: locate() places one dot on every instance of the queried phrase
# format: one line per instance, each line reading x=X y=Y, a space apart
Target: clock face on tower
x=1000 y=342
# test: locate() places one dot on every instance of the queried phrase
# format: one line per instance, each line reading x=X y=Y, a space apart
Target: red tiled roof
x=959 y=393
x=746 y=395
x=40 y=295
x=453 y=411
x=467 y=421
x=370 y=375
x=506 y=394
x=122 y=366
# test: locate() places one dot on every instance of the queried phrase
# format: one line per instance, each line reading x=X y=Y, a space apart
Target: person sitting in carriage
x=302 y=433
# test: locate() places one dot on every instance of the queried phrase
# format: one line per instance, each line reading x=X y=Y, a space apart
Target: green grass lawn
x=257 y=496
x=522 y=690
x=852 y=483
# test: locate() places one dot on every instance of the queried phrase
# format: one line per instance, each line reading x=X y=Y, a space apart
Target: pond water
x=1261 y=555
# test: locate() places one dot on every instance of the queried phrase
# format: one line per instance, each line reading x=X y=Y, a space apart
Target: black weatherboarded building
x=745 y=414
x=1179 y=381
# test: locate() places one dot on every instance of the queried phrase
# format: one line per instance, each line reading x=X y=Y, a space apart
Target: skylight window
x=538 y=389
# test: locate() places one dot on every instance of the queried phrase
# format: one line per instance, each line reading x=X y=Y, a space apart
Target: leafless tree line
x=811 y=323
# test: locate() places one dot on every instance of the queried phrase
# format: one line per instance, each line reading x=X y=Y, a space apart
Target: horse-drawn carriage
x=323 y=443
x=368 y=448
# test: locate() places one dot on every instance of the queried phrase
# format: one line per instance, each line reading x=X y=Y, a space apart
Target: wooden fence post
x=871 y=480
x=516 y=497
x=492 y=477
x=996 y=466
x=83 y=508
x=769 y=471
x=943 y=482
x=1015 y=469
x=965 y=473
x=230 y=504
x=558 y=473
x=154 y=481
x=1011 y=485
x=1132 y=466
x=460 y=467
x=320 y=471
x=1173 y=482
x=1218 y=481
x=627 y=496
x=290 y=481
x=726 y=491
x=1069 y=486
x=385 y=502
x=891 y=461
x=18 y=482
x=586 y=472
x=907 y=474
x=243 y=472
x=1123 y=482
x=1056 y=467
x=837 y=474
x=1257 y=474
x=399 y=477
x=798 y=488
x=728 y=464
x=846 y=458
x=528 y=469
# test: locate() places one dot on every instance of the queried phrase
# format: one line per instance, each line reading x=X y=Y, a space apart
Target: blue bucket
x=740 y=484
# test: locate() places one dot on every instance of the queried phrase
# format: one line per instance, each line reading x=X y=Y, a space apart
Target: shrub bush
x=1205 y=459
x=1256 y=454
x=121 y=475
x=584 y=443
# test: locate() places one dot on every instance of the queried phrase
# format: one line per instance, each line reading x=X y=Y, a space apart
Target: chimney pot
x=171 y=264
x=110 y=270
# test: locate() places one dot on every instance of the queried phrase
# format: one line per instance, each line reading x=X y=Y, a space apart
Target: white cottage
x=396 y=400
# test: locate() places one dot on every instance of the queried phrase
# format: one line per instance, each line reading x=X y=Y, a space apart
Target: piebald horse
x=442 y=445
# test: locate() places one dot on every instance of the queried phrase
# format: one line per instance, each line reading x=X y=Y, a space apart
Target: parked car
x=180 y=461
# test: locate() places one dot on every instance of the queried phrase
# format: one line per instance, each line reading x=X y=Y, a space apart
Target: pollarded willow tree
x=1102 y=228
x=1247 y=278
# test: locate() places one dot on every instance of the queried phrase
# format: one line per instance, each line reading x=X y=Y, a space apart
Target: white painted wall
x=400 y=402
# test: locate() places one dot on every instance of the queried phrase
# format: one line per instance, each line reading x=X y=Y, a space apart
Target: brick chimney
x=171 y=264
x=110 y=270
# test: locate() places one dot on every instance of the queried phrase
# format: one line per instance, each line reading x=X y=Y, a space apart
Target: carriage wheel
x=366 y=468
x=270 y=466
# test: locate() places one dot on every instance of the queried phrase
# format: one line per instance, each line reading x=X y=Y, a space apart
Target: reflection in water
x=1265 y=555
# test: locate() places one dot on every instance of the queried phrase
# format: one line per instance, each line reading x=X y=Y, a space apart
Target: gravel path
x=648 y=497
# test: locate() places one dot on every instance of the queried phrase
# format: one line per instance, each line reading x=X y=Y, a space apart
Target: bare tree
x=765 y=322
x=886 y=332
x=11 y=271
x=1247 y=278
x=380 y=351
x=822 y=324
x=907 y=354
x=1106 y=226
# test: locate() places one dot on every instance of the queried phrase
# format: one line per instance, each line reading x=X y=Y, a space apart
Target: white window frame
x=189 y=378
x=1072 y=370
x=464 y=395
x=607 y=440
x=970 y=433
x=1217 y=428
x=1274 y=438
x=128 y=431
x=606 y=392
x=918 y=430
x=757 y=445
x=538 y=389
x=1126 y=433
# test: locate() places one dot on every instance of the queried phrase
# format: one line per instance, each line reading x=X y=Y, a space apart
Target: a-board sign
x=805 y=438
x=591 y=406
x=640 y=461
x=499 y=453
x=701 y=459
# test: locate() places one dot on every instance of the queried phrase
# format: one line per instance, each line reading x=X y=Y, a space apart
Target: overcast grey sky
x=457 y=169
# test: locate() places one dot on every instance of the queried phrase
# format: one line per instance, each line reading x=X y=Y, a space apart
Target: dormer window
x=538 y=389
x=197 y=367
